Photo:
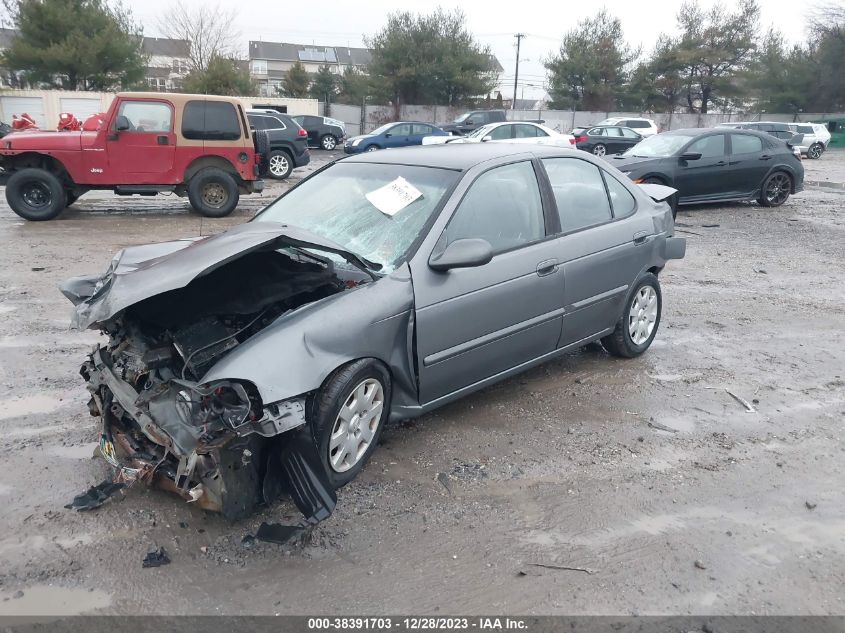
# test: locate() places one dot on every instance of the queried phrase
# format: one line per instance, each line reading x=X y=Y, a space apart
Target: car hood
x=140 y=272
x=630 y=163
x=39 y=139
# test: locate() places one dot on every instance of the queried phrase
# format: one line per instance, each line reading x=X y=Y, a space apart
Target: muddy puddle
x=49 y=600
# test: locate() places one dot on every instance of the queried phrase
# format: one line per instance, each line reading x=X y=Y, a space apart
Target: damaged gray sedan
x=267 y=359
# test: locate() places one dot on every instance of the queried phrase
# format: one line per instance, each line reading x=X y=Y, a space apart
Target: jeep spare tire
x=35 y=194
x=213 y=192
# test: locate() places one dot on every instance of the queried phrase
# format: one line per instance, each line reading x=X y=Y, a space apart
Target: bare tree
x=207 y=29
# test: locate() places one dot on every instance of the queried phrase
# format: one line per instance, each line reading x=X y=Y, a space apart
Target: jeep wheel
x=279 y=164
x=213 y=192
x=35 y=194
x=328 y=142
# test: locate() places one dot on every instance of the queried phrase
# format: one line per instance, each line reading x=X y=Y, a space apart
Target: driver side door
x=399 y=135
x=144 y=153
x=475 y=323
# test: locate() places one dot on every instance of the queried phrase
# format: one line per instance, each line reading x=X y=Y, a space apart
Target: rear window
x=805 y=129
x=640 y=124
x=210 y=121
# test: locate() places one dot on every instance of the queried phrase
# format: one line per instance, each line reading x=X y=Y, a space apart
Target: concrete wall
x=45 y=105
x=560 y=120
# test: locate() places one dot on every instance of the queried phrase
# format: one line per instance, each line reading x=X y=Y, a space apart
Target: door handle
x=765 y=157
x=547 y=267
x=162 y=140
x=721 y=163
x=640 y=237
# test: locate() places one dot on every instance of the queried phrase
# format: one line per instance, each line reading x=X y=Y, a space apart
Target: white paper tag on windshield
x=394 y=196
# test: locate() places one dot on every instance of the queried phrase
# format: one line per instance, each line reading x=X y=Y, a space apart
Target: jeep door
x=475 y=323
x=141 y=143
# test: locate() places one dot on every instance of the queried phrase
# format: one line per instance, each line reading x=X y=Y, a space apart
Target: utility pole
x=518 y=37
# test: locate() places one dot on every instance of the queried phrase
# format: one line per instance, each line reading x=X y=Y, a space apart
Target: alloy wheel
x=599 y=150
x=356 y=425
x=815 y=151
x=777 y=189
x=643 y=315
x=329 y=143
x=278 y=165
x=372 y=148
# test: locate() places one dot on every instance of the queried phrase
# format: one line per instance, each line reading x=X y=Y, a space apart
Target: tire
x=213 y=192
x=35 y=194
x=621 y=342
x=71 y=198
x=372 y=148
x=775 y=190
x=262 y=143
x=324 y=416
x=815 y=151
x=599 y=149
x=328 y=142
x=279 y=164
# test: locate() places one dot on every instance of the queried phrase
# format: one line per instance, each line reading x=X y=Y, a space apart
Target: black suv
x=287 y=143
x=322 y=131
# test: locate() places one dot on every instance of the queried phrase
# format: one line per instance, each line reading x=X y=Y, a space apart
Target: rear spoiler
x=796 y=140
x=657 y=192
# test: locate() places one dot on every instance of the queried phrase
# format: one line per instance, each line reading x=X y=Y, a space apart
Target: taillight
x=302 y=132
x=572 y=141
x=580 y=139
x=257 y=158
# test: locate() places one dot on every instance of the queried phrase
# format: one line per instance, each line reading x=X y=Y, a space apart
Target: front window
x=659 y=146
x=259 y=67
x=709 y=146
x=462 y=118
x=146 y=116
x=334 y=205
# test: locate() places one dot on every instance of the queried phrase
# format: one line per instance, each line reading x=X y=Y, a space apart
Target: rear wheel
x=279 y=164
x=599 y=150
x=776 y=190
x=35 y=194
x=638 y=324
x=815 y=151
x=328 y=142
x=213 y=192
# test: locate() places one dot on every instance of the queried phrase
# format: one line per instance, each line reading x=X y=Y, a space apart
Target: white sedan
x=508 y=132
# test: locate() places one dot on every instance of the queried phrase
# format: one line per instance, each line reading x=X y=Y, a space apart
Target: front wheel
x=213 y=192
x=347 y=416
x=328 y=142
x=815 y=151
x=35 y=194
x=776 y=190
x=599 y=150
x=640 y=319
x=372 y=148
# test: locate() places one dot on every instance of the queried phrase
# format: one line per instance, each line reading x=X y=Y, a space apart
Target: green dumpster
x=836 y=127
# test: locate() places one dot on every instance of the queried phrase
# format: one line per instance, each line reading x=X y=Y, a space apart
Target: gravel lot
x=726 y=512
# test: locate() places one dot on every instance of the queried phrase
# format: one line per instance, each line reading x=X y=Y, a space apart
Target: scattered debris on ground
x=277 y=533
x=156 y=558
x=95 y=496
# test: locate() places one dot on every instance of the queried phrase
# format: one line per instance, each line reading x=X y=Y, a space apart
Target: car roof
x=702 y=131
x=461 y=156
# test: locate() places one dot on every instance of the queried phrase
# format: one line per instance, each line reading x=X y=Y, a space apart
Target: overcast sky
x=345 y=23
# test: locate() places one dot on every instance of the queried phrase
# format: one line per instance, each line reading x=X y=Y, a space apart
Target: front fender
x=297 y=353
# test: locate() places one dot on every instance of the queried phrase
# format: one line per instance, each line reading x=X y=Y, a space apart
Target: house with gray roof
x=168 y=63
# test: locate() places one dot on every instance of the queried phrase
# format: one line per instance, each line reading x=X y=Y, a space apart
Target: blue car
x=400 y=134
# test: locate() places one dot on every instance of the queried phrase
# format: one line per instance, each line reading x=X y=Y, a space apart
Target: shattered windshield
x=658 y=146
x=375 y=211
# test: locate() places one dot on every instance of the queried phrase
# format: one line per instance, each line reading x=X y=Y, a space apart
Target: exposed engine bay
x=210 y=442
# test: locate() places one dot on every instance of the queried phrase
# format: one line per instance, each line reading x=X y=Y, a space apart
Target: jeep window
x=146 y=116
x=210 y=121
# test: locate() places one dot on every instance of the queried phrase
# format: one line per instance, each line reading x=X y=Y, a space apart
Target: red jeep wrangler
x=147 y=143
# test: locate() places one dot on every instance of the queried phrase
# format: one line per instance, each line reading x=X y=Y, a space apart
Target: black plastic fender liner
x=294 y=467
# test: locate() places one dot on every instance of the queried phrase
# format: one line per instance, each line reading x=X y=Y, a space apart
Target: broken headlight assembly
x=216 y=405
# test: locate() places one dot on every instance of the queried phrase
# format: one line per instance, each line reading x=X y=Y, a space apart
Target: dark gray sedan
x=268 y=358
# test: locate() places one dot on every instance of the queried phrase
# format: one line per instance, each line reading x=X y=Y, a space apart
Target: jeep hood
x=140 y=272
x=39 y=139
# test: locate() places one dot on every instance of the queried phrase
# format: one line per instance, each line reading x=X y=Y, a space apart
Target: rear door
x=419 y=131
x=615 y=140
x=750 y=160
x=313 y=125
x=602 y=246
x=144 y=153
x=704 y=178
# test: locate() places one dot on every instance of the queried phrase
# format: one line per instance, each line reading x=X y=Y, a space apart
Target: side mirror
x=487 y=138
x=466 y=253
x=690 y=156
x=387 y=135
x=121 y=123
